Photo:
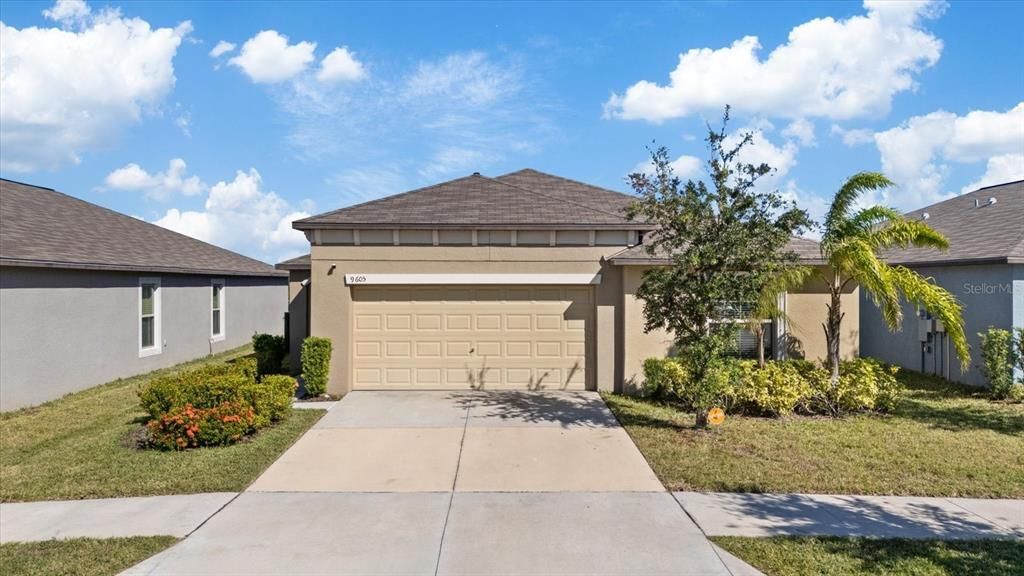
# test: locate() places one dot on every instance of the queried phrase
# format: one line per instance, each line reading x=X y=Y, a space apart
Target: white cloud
x=801 y=130
x=241 y=216
x=854 y=136
x=64 y=92
x=684 y=167
x=357 y=185
x=160 y=185
x=827 y=68
x=816 y=206
x=184 y=123
x=68 y=12
x=469 y=76
x=466 y=112
x=340 y=65
x=222 y=48
x=918 y=154
x=267 y=58
x=999 y=170
x=781 y=159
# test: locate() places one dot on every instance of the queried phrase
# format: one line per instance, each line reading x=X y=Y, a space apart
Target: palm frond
x=856 y=258
x=939 y=302
x=767 y=304
x=903 y=233
x=845 y=199
x=865 y=221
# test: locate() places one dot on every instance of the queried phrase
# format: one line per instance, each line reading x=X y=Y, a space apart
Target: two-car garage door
x=457 y=337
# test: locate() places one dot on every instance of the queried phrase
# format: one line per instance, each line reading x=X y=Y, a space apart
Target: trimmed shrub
x=662 y=377
x=271 y=398
x=191 y=427
x=202 y=388
x=864 y=384
x=245 y=366
x=1018 y=355
x=997 y=356
x=270 y=351
x=316 y=364
x=774 y=390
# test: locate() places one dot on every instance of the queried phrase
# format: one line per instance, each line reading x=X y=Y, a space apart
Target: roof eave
x=958 y=261
x=30 y=263
x=307 y=225
x=657 y=261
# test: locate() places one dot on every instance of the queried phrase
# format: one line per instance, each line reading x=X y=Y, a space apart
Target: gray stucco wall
x=66 y=330
x=992 y=295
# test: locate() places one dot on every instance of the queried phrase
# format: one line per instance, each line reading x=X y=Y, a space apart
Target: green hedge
x=270 y=351
x=780 y=388
x=204 y=395
x=316 y=364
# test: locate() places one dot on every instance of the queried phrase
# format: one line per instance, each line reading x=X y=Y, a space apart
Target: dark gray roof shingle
x=43 y=227
x=521 y=199
x=986 y=233
x=298 y=263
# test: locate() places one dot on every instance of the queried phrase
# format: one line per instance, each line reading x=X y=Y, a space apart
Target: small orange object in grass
x=716 y=416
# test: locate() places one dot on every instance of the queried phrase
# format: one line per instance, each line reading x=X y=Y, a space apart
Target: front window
x=745 y=341
x=217 y=310
x=149 y=316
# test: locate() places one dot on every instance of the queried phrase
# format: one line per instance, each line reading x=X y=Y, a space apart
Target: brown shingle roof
x=806 y=250
x=43 y=227
x=521 y=199
x=986 y=233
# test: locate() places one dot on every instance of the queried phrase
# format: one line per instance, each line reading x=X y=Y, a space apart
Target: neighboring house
x=525 y=280
x=983 y=268
x=88 y=295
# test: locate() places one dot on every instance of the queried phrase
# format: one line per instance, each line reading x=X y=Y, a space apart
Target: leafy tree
x=723 y=242
x=851 y=242
x=766 y=307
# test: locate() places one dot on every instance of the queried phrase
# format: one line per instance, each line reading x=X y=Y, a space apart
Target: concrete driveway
x=452 y=483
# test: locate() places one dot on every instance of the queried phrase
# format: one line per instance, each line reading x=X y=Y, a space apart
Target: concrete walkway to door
x=453 y=483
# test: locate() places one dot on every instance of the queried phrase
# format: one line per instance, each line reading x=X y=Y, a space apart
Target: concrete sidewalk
x=728 y=514
x=109 y=517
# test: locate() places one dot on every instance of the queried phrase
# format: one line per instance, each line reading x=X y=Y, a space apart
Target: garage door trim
x=463 y=279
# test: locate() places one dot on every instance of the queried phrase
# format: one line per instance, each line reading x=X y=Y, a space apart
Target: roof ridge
x=578 y=182
x=562 y=200
x=390 y=197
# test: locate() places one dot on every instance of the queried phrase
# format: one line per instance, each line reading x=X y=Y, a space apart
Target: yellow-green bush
x=662 y=377
x=774 y=390
x=864 y=384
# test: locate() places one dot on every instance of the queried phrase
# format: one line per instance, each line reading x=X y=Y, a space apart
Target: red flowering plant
x=190 y=427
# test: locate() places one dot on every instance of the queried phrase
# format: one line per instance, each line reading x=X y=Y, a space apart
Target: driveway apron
x=441 y=483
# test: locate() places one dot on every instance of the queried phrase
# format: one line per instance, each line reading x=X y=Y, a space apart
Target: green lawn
x=942 y=440
x=80 y=556
x=797 y=556
x=80 y=447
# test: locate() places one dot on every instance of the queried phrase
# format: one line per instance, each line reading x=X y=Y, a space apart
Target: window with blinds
x=149 y=316
x=217 y=310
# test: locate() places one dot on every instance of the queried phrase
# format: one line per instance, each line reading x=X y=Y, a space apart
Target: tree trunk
x=702 y=418
x=832 y=332
x=759 y=334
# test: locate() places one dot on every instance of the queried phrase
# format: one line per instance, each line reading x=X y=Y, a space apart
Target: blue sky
x=124 y=105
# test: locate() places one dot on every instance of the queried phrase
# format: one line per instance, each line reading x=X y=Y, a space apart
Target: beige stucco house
x=525 y=280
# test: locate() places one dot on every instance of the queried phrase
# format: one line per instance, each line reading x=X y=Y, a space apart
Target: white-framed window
x=217 y=320
x=150 y=341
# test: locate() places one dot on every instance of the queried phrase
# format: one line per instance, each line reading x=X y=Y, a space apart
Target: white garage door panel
x=458 y=337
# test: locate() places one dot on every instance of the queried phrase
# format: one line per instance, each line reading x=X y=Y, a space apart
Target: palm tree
x=850 y=244
x=766 y=307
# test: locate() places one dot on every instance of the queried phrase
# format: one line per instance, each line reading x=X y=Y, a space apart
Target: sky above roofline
x=227 y=121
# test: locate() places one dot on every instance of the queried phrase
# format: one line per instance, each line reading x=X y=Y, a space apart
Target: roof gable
x=522 y=199
x=43 y=227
